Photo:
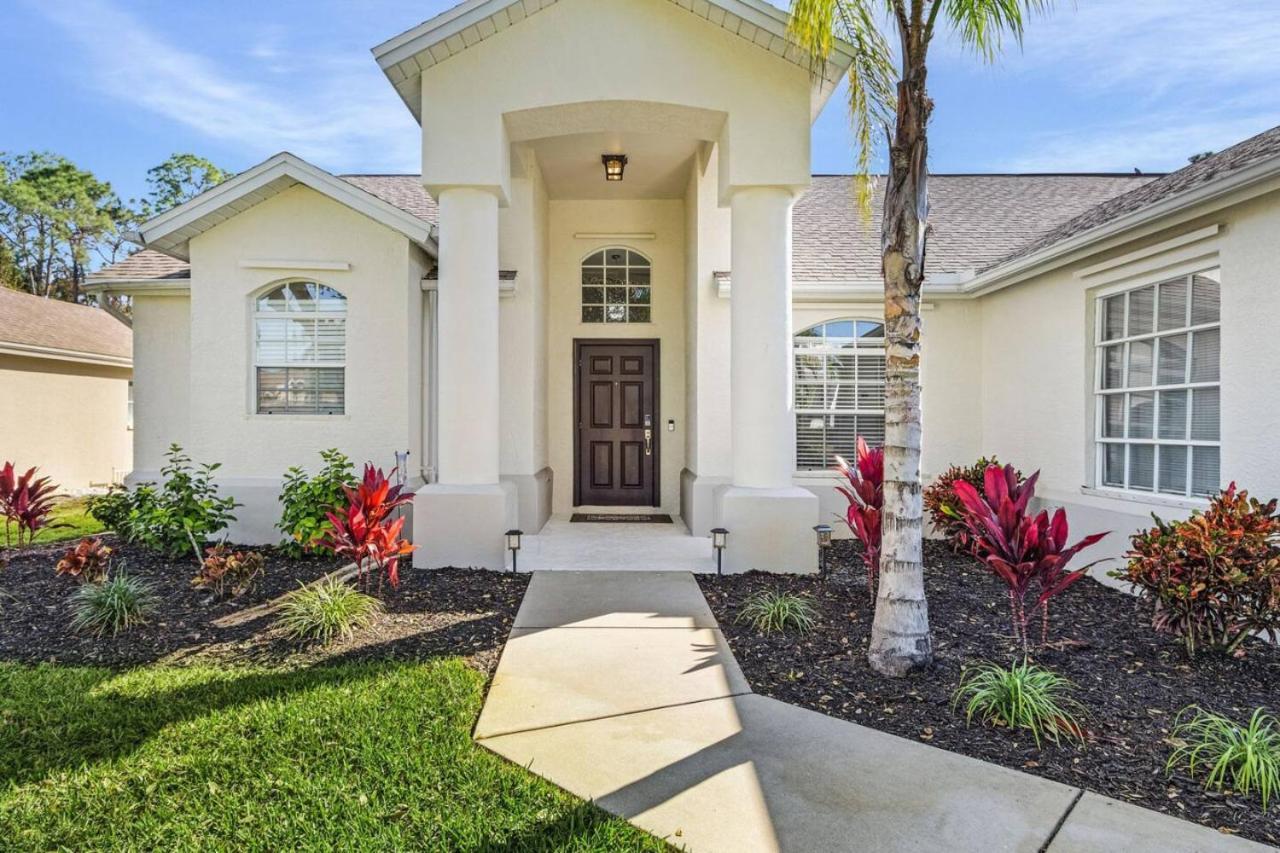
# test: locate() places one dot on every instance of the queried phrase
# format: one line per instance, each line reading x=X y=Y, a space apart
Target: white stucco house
x=700 y=337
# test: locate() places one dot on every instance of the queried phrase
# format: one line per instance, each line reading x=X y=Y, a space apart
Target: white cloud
x=335 y=112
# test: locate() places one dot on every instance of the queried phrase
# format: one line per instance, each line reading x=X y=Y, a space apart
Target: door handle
x=648 y=442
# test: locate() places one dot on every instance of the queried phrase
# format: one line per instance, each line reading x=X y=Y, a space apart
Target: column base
x=770 y=530
x=698 y=501
x=463 y=526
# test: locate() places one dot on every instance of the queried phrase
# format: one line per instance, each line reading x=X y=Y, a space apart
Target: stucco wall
x=665 y=219
x=68 y=418
x=161 y=380
x=383 y=374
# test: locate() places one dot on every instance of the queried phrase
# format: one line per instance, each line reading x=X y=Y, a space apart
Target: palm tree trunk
x=900 y=640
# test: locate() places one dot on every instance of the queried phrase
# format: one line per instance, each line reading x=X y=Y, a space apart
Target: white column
x=467 y=305
x=763 y=418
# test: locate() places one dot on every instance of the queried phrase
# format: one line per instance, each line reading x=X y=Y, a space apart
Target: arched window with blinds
x=839 y=390
x=300 y=350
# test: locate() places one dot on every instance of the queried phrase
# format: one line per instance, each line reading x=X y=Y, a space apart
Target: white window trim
x=257 y=315
x=799 y=411
x=1150 y=279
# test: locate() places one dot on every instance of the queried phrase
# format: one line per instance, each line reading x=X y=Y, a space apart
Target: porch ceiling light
x=614 y=166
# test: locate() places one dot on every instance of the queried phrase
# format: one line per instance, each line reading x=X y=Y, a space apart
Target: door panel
x=616 y=419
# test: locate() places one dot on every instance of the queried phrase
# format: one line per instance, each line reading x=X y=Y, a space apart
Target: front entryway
x=616 y=419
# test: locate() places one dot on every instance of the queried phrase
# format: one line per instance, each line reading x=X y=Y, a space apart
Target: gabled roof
x=404 y=57
x=170 y=231
x=50 y=328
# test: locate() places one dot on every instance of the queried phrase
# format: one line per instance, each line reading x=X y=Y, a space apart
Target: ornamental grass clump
x=113 y=606
x=1244 y=758
x=771 y=612
x=865 y=494
x=327 y=610
x=1214 y=578
x=1021 y=696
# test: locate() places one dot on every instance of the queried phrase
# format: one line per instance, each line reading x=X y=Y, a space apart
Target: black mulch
x=446 y=612
x=1132 y=681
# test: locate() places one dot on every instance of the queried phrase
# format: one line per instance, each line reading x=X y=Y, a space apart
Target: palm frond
x=982 y=24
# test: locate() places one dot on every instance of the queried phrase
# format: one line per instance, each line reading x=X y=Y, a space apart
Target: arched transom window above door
x=616 y=287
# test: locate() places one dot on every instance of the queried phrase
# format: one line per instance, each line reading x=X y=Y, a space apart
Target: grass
x=74 y=513
x=326 y=610
x=117 y=604
x=770 y=612
x=1022 y=696
x=1245 y=758
x=341 y=756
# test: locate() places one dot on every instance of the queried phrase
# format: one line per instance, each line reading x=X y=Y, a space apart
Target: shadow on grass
x=584 y=826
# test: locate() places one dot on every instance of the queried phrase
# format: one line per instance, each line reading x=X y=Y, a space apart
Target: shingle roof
x=975 y=220
x=147 y=264
x=33 y=321
x=1226 y=162
x=404 y=191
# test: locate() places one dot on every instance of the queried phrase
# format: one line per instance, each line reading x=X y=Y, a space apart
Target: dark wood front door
x=616 y=446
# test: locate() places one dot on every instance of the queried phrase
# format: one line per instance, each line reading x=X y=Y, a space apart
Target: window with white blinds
x=839 y=390
x=300 y=350
x=1157 y=386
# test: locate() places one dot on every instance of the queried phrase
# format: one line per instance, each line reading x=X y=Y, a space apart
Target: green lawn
x=74 y=513
x=341 y=756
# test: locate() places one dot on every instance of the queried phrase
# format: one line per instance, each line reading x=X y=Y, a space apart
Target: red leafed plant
x=1213 y=578
x=228 y=572
x=25 y=502
x=865 y=494
x=88 y=561
x=365 y=532
x=1018 y=547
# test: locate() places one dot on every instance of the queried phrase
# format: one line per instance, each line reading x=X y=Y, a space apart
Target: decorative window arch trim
x=839 y=389
x=299 y=348
x=616 y=286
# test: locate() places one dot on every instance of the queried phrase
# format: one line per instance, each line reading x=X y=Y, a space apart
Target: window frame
x=1187 y=330
x=854 y=384
x=604 y=304
x=257 y=363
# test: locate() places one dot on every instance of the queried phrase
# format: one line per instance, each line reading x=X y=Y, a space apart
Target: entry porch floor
x=603 y=546
x=621 y=689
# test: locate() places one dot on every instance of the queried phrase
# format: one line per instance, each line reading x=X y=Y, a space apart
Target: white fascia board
x=190 y=215
x=1061 y=253
x=55 y=354
x=140 y=287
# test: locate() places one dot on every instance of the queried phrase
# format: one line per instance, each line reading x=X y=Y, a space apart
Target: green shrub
x=769 y=612
x=306 y=502
x=1022 y=696
x=327 y=610
x=117 y=604
x=944 y=507
x=114 y=510
x=1214 y=578
x=1244 y=758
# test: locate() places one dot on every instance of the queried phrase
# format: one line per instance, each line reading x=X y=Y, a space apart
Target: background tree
x=900 y=639
x=180 y=178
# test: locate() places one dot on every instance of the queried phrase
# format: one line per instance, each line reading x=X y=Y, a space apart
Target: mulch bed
x=1132 y=681
x=446 y=612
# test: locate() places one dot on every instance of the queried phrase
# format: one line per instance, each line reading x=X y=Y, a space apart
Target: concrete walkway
x=619 y=687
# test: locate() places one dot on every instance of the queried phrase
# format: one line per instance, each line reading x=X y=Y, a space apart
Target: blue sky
x=118 y=85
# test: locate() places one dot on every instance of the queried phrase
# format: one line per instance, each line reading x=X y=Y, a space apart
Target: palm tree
x=900 y=641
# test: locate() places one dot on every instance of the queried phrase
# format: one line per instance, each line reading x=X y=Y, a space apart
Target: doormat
x=604 y=518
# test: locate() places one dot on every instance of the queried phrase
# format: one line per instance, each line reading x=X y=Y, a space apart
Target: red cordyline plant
x=365 y=532
x=1018 y=547
x=25 y=502
x=865 y=494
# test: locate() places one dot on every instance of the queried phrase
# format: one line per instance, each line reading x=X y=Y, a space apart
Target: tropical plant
x=1214 y=578
x=770 y=612
x=225 y=570
x=185 y=508
x=1018 y=547
x=326 y=610
x=365 y=532
x=900 y=640
x=117 y=604
x=26 y=502
x=1021 y=696
x=112 y=509
x=944 y=508
x=1243 y=758
x=307 y=501
x=88 y=562
x=865 y=494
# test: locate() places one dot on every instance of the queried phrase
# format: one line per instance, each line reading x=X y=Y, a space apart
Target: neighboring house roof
x=404 y=57
x=50 y=328
x=143 y=265
x=170 y=231
x=1212 y=169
